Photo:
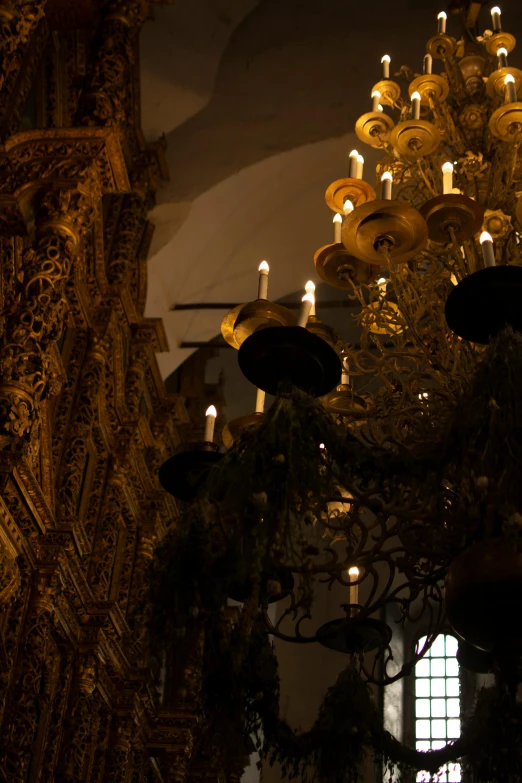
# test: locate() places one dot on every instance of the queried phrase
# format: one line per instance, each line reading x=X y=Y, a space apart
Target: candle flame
x=387 y=175
x=263 y=267
x=509 y=79
x=360 y=158
x=322 y=446
x=376 y=94
x=353 y=571
x=385 y=58
x=310 y=287
x=485 y=237
x=442 y=15
x=354 y=154
x=415 y=96
x=447 y=166
x=211 y=411
x=495 y=10
x=337 y=218
x=308 y=298
x=502 y=50
x=348 y=206
x=381 y=281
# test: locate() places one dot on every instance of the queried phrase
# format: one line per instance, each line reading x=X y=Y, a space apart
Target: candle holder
x=472 y=69
x=496 y=84
x=441 y=46
x=485 y=302
x=355 y=190
x=291 y=355
x=415 y=138
x=243 y=320
x=238 y=427
x=350 y=635
x=370 y=318
x=449 y=213
x=506 y=122
x=390 y=92
x=325 y=332
x=183 y=474
x=274 y=577
x=431 y=87
x=343 y=401
x=391 y=226
x=339 y=269
x=374 y=128
x=500 y=40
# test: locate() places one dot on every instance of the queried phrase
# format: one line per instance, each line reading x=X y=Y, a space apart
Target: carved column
x=26 y=370
x=81 y=723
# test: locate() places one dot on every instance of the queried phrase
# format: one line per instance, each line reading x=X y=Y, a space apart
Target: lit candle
x=360 y=162
x=415 y=105
x=308 y=301
x=348 y=206
x=376 y=95
x=441 y=28
x=488 y=251
x=310 y=289
x=495 y=19
x=502 y=54
x=345 y=378
x=382 y=283
x=262 y=291
x=427 y=63
x=353 y=163
x=447 y=177
x=353 y=575
x=511 y=93
x=385 y=60
x=260 y=401
x=338 y=225
x=387 y=182
x=210 y=420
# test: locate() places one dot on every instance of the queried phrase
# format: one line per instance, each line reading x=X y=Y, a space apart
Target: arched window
x=437 y=702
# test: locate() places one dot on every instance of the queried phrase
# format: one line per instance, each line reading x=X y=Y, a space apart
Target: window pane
x=422 y=687
x=452 y=687
x=438 y=687
x=438 y=708
x=422 y=745
x=452 y=667
x=423 y=777
x=438 y=744
x=438 y=667
x=438 y=647
x=438 y=728
x=451 y=647
x=453 y=728
x=454 y=774
x=422 y=668
x=422 y=708
x=422 y=728
x=453 y=708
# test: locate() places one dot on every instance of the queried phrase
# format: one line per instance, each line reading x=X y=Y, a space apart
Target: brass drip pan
x=245 y=319
x=441 y=46
x=452 y=211
x=415 y=138
x=344 y=402
x=357 y=190
x=374 y=128
x=369 y=319
x=390 y=92
x=506 y=122
x=495 y=85
x=431 y=88
x=392 y=224
x=324 y=331
x=500 y=40
x=339 y=269
x=235 y=428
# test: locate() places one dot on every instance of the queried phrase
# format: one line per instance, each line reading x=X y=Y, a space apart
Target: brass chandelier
x=419 y=507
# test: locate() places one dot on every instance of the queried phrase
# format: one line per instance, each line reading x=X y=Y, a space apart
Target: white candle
x=353 y=163
x=387 y=182
x=360 y=163
x=262 y=291
x=495 y=19
x=427 y=63
x=348 y=206
x=447 y=177
x=210 y=420
x=488 y=251
x=376 y=96
x=382 y=283
x=385 y=60
x=260 y=401
x=502 y=54
x=415 y=105
x=310 y=289
x=338 y=225
x=441 y=27
x=353 y=575
x=308 y=301
x=511 y=93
